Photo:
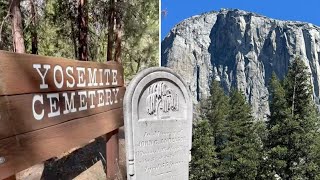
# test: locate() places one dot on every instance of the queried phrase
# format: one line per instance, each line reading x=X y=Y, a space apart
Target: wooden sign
x=49 y=105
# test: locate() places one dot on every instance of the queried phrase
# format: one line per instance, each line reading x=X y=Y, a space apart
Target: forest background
x=94 y=30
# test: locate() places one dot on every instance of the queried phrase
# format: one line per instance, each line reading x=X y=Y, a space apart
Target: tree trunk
x=17 y=32
x=293 y=96
x=111 y=30
x=74 y=40
x=74 y=33
x=118 y=32
x=83 y=30
x=34 y=35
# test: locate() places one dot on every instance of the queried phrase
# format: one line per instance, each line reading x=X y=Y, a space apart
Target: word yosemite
x=89 y=80
x=58 y=103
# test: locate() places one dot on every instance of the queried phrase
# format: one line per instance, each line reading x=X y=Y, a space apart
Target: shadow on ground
x=74 y=163
x=71 y=165
x=77 y=162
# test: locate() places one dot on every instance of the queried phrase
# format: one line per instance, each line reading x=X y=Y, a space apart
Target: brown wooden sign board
x=50 y=105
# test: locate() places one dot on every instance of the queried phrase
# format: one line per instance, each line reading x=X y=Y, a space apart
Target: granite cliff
x=241 y=49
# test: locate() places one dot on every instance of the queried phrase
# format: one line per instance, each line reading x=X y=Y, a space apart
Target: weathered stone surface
x=241 y=49
x=158 y=126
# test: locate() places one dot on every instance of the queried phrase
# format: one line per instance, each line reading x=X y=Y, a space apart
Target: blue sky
x=298 y=10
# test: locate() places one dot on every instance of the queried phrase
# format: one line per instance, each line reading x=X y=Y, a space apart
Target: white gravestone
x=158 y=126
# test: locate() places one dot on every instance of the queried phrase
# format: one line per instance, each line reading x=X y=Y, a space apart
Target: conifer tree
x=217 y=107
x=293 y=124
x=304 y=123
x=278 y=128
x=204 y=161
x=240 y=155
x=217 y=110
x=264 y=170
x=17 y=29
x=33 y=27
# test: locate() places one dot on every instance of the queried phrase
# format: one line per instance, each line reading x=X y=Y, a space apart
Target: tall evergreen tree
x=204 y=162
x=119 y=31
x=17 y=29
x=279 y=127
x=209 y=134
x=293 y=125
x=216 y=109
x=241 y=150
x=34 y=34
x=264 y=168
x=111 y=20
x=304 y=123
x=83 y=30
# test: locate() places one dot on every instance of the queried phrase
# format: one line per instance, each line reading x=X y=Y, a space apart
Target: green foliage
x=57 y=30
x=264 y=169
x=240 y=155
x=293 y=140
x=217 y=108
x=141 y=36
x=278 y=127
x=5 y=29
x=204 y=161
x=235 y=140
x=287 y=146
x=304 y=122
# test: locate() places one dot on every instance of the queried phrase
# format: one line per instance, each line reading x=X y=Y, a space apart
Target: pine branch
x=4 y=19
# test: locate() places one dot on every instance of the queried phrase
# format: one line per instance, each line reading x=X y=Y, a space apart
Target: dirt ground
x=87 y=162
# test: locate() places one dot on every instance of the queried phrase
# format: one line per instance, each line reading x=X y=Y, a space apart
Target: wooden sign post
x=50 y=105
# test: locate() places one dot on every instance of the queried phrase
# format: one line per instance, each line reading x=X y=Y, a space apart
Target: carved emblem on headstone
x=161 y=98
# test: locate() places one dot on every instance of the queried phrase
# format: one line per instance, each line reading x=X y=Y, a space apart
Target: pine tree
x=83 y=30
x=278 y=127
x=304 y=123
x=293 y=124
x=204 y=161
x=315 y=149
x=241 y=149
x=264 y=170
x=216 y=109
x=17 y=29
x=33 y=27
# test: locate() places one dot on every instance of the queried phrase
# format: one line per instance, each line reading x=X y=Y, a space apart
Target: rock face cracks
x=241 y=49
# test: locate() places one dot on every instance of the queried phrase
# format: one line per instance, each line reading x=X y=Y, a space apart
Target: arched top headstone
x=158 y=126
